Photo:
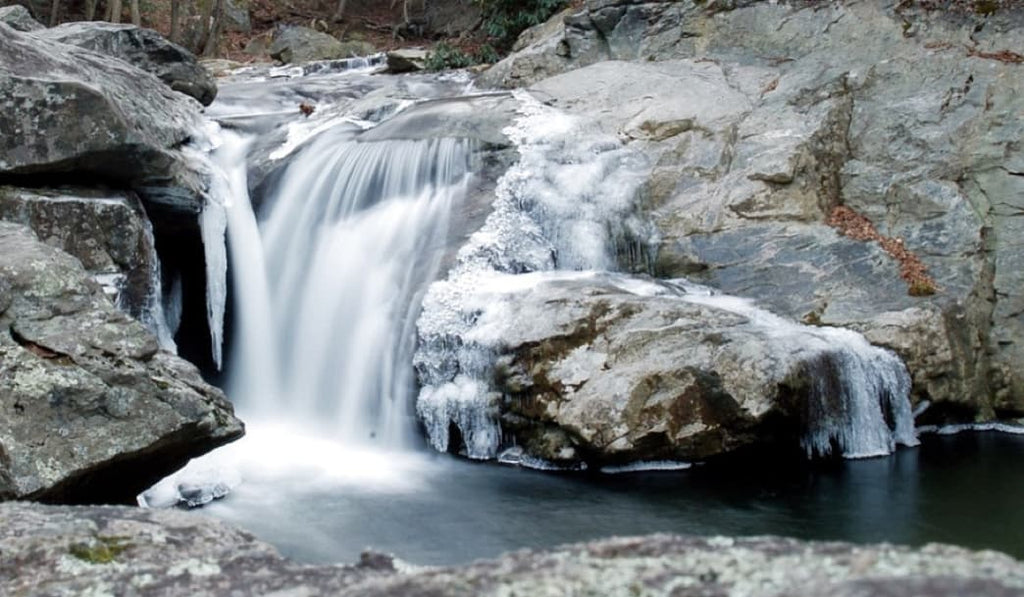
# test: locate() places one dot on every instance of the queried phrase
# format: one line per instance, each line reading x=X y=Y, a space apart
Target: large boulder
x=18 y=17
x=57 y=122
x=301 y=44
x=143 y=48
x=52 y=550
x=608 y=369
x=915 y=131
x=91 y=411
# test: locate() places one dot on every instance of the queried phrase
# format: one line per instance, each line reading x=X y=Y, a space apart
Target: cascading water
x=328 y=286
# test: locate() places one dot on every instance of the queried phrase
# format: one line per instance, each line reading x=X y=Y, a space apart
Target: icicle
x=213 y=226
x=153 y=311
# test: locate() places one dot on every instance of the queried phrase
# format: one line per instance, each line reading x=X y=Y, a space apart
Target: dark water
x=964 y=489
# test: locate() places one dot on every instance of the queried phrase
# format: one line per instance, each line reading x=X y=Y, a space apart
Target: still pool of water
x=435 y=509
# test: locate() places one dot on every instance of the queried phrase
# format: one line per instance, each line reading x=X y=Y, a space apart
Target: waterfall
x=328 y=284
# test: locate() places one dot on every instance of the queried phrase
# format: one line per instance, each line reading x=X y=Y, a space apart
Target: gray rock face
x=67 y=551
x=105 y=231
x=143 y=48
x=407 y=60
x=785 y=114
x=90 y=409
x=123 y=131
x=236 y=16
x=302 y=44
x=19 y=18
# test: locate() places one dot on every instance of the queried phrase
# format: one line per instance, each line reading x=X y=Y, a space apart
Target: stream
x=328 y=273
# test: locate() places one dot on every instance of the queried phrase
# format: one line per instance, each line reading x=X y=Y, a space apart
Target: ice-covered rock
x=608 y=369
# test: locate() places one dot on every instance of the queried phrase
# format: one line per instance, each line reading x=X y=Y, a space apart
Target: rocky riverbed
x=51 y=550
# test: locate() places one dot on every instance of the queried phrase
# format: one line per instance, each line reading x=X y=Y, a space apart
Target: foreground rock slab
x=47 y=550
x=91 y=411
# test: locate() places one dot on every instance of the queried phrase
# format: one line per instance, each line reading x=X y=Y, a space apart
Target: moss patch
x=103 y=550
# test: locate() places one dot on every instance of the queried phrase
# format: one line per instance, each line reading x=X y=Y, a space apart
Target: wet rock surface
x=143 y=48
x=55 y=551
x=91 y=411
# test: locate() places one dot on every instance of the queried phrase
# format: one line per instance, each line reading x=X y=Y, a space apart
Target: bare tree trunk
x=90 y=10
x=54 y=13
x=339 y=14
x=210 y=47
x=114 y=11
x=175 y=20
x=205 y=26
x=136 y=16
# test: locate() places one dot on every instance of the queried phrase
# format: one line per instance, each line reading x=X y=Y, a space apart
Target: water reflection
x=964 y=490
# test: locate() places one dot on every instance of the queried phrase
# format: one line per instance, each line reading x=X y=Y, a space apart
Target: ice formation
x=570 y=204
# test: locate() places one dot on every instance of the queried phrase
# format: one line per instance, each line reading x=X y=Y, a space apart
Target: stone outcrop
x=761 y=118
x=407 y=60
x=68 y=551
x=143 y=48
x=91 y=411
x=301 y=44
x=19 y=18
x=128 y=132
x=104 y=230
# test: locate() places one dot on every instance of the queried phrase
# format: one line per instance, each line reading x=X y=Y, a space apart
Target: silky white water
x=327 y=285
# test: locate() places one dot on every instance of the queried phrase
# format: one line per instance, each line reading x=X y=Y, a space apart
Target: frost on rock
x=858 y=402
x=569 y=208
x=153 y=315
x=569 y=203
x=196 y=485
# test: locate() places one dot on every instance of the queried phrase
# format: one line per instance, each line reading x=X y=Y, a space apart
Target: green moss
x=103 y=550
x=922 y=288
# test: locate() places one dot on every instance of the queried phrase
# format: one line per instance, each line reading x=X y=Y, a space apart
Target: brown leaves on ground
x=853 y=225
x=1002 y=56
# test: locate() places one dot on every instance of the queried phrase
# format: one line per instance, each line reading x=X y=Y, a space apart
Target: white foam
x=646 y=466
